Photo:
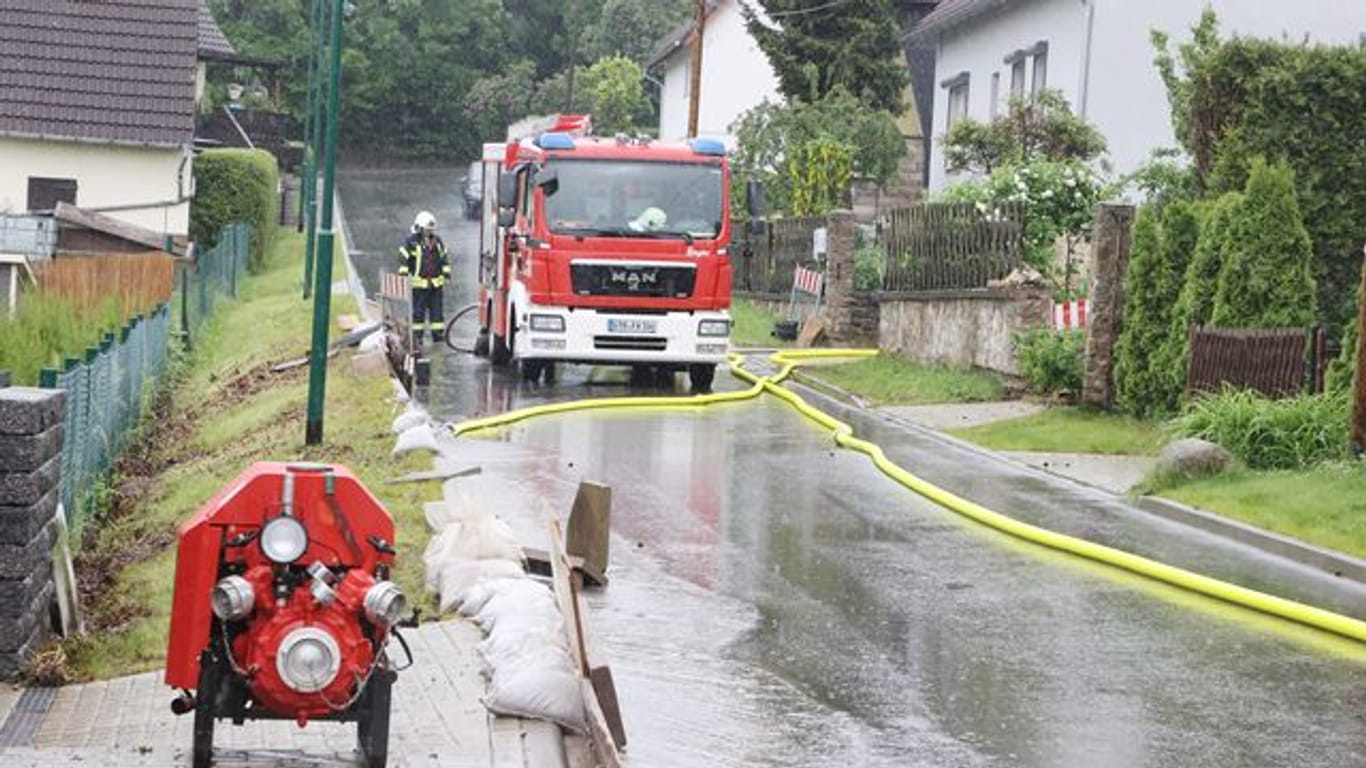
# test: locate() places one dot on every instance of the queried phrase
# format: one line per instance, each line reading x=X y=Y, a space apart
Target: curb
x=1333 y=563
x=1336 y=563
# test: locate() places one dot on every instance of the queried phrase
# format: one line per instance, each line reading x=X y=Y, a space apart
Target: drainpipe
x=1084 y=81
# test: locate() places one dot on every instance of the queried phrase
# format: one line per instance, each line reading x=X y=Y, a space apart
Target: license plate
x=630 y=325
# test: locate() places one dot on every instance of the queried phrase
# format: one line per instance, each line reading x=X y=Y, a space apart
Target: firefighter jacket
x=427 y=265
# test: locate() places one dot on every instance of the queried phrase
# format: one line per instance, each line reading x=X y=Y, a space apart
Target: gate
x=1270 y=361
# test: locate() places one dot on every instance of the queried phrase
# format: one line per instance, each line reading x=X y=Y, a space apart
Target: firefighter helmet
x=424 y=221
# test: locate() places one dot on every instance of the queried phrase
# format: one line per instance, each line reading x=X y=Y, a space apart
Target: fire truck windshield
x=625 y=198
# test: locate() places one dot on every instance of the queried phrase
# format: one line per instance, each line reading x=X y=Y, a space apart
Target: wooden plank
x=588 y=536
x=571 y=607
x=606 y=692
x=811 y=331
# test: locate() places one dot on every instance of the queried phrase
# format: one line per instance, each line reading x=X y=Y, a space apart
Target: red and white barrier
x=1069 y=315
x=807 y=281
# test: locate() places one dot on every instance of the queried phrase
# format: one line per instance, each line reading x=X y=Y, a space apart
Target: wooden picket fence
x=951 y=246
x=1270 y=361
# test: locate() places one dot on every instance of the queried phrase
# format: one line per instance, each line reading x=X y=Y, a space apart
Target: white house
x=736 y=74
x=1098 y=53
x=97 y=106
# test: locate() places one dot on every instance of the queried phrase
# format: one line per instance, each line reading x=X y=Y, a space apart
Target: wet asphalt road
x=776 y=602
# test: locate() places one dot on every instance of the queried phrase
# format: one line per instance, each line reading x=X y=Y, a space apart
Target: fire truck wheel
x=701 y=376
x=203 y=711
x=499 y=352
x=531 y=370
x=372 y=727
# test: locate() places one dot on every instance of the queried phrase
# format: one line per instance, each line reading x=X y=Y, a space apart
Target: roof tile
x=114 y=70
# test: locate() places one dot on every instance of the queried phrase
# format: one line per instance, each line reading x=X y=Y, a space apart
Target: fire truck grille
x=628 y=279
x=649 y=343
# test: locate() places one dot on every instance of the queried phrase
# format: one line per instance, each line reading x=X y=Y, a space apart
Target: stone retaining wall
x=962 y=328
x=30 y=475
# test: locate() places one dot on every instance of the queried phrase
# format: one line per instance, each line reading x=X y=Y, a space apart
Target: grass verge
x=1068 y=430
x=1323 y=506
x=226 y=409
x=891 y=380
x=753 y=325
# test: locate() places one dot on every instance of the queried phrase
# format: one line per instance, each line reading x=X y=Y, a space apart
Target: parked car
x=472 y=186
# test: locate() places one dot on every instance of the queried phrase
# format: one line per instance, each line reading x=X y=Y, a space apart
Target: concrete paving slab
x=1116 y=474
x=960 y=415
x=437 y=719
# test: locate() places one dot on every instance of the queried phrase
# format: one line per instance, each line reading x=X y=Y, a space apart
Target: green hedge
x=1051 y=361
x=234 y=185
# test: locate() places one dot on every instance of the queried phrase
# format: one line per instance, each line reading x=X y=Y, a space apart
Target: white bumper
x=602 y=336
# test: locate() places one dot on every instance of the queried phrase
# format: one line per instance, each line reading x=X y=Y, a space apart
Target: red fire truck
x=605 y=251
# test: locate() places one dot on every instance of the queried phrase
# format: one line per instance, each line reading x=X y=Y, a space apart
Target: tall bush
x=1265 y=281
x=1234 y=99
x=1180 y=240
x=233 y=185
x=1157 y=262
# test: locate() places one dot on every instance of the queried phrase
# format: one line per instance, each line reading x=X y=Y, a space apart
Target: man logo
x=634 y=279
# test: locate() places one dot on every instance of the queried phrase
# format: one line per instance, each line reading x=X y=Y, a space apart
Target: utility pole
x=1358 y=436
x=322 y=292
x=308 y=184
x=699 y=26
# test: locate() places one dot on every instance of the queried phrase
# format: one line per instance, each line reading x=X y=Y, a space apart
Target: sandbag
x=458 y=577
x=411 y=417
x=416 y=438
x=545 y=687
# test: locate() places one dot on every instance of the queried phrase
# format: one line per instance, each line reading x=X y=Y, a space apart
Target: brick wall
x=30 y=473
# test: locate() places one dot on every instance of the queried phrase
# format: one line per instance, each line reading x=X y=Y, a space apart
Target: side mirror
x=507 y=190
x=548 y=179
x=754 y=199
x=506 y=217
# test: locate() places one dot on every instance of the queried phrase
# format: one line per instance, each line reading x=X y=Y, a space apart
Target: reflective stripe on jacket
x=428 y=267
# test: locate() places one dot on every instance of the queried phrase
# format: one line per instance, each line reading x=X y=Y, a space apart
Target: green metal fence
x=109 y=387
x=214 y=274
x=106 y=389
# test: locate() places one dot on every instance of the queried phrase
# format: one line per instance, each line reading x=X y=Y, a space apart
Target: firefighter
x=424 y=259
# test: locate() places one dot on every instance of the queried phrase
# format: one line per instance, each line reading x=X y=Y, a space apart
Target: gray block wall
x=30 y=473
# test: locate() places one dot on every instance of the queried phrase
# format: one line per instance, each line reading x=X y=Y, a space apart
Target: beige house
x=97 y=106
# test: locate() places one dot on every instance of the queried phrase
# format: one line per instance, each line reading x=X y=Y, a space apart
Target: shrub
x=1235 y=98
x=1059 y=200
x=1146 y=367
x=1265 y=281
x=233 y=185
x=868 y=267
x=1051 y=361
x=1270 y=434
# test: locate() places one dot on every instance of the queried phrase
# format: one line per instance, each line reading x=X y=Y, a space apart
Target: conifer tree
x=1265 y=281
x=815 y=47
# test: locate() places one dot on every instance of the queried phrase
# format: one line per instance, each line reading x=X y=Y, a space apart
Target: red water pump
x=283 y=606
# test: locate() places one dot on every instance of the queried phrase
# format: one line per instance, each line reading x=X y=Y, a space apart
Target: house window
x=44 y=193
x=994 y=107
x=958 y=103
x=1017 y=78
x=1040 y=80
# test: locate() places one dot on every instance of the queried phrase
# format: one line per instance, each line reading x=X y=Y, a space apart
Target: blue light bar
x=708 y=146
x=555 y=141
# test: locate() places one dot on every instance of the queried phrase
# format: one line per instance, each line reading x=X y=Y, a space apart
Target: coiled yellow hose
x=843 y=436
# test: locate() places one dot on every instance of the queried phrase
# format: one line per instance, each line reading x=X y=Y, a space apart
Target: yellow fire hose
x=843 y=435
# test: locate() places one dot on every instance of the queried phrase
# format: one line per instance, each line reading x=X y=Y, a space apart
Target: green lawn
x=753 y=325
x=1324 y=506
x=890 y=380
x=1068 y=430
x=227 y=411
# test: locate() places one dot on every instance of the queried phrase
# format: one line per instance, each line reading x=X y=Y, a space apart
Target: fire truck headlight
x=232 y=598
x=547 y=323
x=385 y=603
x=284 y=540
x=713 y=328
x=308 y=659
